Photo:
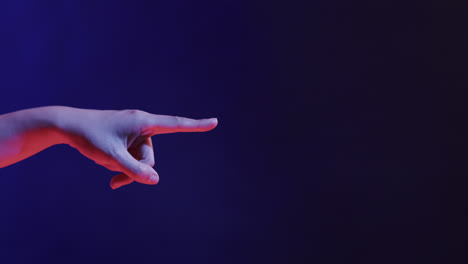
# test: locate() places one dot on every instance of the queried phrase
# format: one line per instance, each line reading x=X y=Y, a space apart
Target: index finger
x=163 y=124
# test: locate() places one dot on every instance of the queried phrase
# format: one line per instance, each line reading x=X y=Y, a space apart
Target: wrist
x=55 y=120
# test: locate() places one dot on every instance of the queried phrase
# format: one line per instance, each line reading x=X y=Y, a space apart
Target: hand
x=121 y=140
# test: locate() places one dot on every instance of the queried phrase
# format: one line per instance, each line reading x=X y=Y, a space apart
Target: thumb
x=137 y=170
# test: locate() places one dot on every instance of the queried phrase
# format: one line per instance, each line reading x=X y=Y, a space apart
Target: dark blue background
x=341 y=131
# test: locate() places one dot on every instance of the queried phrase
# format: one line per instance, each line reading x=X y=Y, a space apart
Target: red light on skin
x=8 y=150
x=104 y=136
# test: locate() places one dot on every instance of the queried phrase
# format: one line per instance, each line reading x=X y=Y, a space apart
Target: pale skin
x=119 y=140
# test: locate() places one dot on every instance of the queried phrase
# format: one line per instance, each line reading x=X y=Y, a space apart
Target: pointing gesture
x=117 y=140
x=137 y=161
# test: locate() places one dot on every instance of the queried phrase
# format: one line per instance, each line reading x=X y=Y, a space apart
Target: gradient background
x=341 y=132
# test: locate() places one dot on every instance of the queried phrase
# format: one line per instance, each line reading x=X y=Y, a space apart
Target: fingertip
x=120 y=180
x=211 y=124
x=114 y=184
x=154 y=179
x=214 y=122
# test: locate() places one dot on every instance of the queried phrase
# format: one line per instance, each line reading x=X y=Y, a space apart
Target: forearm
x=27 y=132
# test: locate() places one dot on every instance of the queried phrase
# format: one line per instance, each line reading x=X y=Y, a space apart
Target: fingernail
x=154 y=179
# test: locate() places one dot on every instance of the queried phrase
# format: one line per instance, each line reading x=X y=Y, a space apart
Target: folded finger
x=120 y=180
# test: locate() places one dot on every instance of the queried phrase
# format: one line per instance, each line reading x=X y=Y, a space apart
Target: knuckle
x=149 y=162
x=114 y=152
x=135 y=115
x=178 y=121
x=138 y=170
x=148 y=159
x=132 y=111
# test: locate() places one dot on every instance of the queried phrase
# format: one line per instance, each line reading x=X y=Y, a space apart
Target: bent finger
x=146 y=152
x=120 y=180
x=135 y=169
x=145 y=155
